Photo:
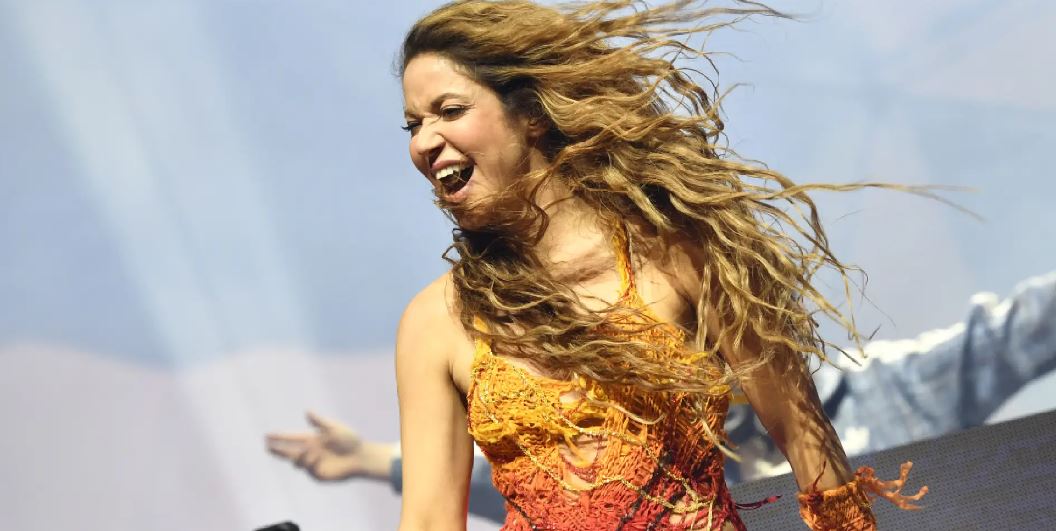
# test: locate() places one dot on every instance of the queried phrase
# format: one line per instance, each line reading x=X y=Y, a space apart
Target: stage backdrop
x=208 y=223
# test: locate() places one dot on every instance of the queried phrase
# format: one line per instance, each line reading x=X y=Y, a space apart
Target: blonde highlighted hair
x=636 y=134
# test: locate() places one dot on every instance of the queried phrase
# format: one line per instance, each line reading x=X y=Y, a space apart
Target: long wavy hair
x=635 y=132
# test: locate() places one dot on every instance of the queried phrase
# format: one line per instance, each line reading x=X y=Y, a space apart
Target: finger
x=288 y=451
x=299 y=437
x=274 y=443
x=321 y=422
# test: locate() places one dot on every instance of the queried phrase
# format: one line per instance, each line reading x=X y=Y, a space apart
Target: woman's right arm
x=437 y=448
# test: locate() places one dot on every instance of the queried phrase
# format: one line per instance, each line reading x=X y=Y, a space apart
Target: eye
x=452 y=111
x=411 y=127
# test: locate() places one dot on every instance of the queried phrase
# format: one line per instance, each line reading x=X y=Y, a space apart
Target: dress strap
x=621 y=243
x=481 y=347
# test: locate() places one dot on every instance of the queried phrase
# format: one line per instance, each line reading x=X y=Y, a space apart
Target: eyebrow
x=436 y=101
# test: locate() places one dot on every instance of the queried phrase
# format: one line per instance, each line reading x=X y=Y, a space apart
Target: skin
x=333 y=451
x=453 y=118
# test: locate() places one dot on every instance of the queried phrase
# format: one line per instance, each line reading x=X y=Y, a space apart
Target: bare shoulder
x=430 y=332
x=683 y=261
x=432 y=306
x=431 y=316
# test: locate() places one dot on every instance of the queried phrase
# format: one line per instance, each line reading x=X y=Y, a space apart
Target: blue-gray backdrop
x=208 y=223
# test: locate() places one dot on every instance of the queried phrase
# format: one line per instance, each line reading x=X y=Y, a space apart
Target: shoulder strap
x=621 y=243
x=482 y=348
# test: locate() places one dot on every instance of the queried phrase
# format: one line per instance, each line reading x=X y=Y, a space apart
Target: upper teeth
x=448 y=171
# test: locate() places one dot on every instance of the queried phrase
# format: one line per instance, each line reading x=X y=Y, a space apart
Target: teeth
x=450 y=171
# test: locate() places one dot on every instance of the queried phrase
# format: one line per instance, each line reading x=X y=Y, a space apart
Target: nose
x=426 y=146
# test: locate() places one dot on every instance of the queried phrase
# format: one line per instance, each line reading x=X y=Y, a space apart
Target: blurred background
x=208 y=223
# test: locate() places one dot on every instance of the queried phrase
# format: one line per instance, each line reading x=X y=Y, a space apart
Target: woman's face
x=462 y=139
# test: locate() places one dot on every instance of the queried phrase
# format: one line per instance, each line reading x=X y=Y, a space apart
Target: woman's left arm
x=780 y=391
x=783 y=396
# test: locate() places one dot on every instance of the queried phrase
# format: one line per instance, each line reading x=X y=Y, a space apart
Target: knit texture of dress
x=576 y=455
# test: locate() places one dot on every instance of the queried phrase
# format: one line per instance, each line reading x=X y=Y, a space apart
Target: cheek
x=497 y=147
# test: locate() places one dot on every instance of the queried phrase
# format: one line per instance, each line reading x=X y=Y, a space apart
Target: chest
x=656 y=288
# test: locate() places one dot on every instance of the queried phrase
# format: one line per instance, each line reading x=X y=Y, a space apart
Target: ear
x=537 y=126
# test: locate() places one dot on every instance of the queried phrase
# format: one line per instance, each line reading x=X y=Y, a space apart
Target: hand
x=333 y=451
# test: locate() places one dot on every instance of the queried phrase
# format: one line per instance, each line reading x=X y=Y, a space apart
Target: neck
x=574 y=234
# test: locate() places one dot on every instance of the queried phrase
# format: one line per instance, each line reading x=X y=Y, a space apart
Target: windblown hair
x=635 y=136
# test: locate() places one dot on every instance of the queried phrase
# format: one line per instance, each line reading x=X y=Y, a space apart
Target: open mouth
x=454 y=178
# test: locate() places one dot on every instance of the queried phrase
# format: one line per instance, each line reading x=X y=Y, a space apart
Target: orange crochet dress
x=574 y=455
x=578 y=456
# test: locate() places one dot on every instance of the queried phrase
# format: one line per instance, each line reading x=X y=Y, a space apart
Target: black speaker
x=284 y=526
x=1000 y=476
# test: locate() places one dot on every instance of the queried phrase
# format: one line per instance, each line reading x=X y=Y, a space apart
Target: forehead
x=429 y=76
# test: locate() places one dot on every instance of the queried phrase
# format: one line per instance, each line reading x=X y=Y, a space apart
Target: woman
x=617 y=273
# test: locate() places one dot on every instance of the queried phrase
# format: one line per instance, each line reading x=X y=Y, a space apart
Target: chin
x=489 y=213
x=468 y=213
x=472 y=219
